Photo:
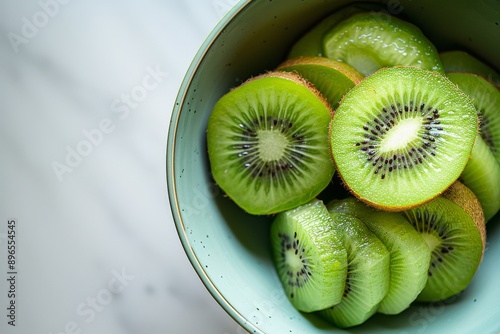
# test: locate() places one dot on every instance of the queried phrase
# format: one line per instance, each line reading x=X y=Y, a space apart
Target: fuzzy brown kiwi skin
x=467 y=200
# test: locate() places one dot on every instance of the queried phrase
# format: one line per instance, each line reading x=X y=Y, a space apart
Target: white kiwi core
x=272 y=145
x=293 y=261
x=401 y=135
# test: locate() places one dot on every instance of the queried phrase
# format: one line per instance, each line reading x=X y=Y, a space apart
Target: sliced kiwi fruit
x=455 y=243
x=368 y=273
x=486 y=98
x=268 y=145
x=311 y=43
x=311 y=261
x=463 y=61
x=332 y=78
x=368 y=43
x=410 y=255
x=482 y=173
x=410 y=258
x=351 y=206
x=402 y=136
x=464 y=197
x=482 y=176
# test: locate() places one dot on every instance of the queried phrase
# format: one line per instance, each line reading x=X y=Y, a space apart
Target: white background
x=86 y=94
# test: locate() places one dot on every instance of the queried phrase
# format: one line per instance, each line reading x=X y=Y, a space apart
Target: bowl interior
x=230 y=249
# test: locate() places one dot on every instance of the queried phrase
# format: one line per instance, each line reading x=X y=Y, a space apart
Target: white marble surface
x=86 y=94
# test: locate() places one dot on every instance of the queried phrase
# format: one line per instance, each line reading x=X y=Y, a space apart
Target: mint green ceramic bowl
x=230 y=249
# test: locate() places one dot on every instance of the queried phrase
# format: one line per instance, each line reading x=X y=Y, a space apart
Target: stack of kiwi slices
x=377 y=157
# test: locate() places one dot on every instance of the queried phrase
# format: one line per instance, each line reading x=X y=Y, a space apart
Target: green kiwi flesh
x=410 y=255
x=367 y=273
x=267 y=142
x=351 y=206
x=311 y=42
x=410 y=258
x=465 y=198
x=482 y=176
x=462 y=61
x=332 y=78
x=310 y=259
x=486 y=98
x=402 y=136
x=455 y=243
x=369 y=42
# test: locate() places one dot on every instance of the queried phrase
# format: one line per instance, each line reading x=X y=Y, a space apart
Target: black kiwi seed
x=347 y=285
x=486 y=98
x=398 y=129
x=311 y=266
x=376 y=130
x=485 y=130
x=455 y=243
x=267 y=143
x=246 y=150
x=426 y=223
x=300 y=277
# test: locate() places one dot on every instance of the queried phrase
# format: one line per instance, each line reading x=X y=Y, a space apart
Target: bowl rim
x=173 y=128
x=170 y=153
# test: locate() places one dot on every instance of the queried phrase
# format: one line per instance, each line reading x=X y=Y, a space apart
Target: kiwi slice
x=368 y=43
x=368 y=273
x=462 y=61
x=464 y=197
x=311 y=43
x=310 y=259
x=482 y=176
x=332 y=78
x=402 y=136
x=410 y=258
x=268 y=143
x=455 y=243
x=410 y=255
x=486 y=98
x=351 y=206
x=482 y=173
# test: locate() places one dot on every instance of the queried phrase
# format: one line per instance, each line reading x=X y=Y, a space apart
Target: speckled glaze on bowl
x=230 y=249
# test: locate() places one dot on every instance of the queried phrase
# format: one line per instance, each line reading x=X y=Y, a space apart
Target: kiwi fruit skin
x=367 y=43
x=464 y=197
x=455 y=243
x=311 y=42
x=332 y=78
x=310 y=258
x=463 y=61
x=282 y=105
x=368 y=273
x=445 y=149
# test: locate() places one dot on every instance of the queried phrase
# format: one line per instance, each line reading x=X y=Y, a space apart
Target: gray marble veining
x=86 y=93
